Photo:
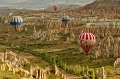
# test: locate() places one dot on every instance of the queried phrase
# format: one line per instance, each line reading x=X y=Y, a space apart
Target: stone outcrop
x=14 y=69
x=2 y=57
x=14 y=63
x=13 y=59
x=117 y=62
x=38 y=73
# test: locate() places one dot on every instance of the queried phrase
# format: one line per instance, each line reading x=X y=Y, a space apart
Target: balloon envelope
x=65 y=19
x=16 y=21
x=86 y=41
x=55 y=7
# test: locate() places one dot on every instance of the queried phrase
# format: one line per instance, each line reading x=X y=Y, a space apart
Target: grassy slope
x=8 y=75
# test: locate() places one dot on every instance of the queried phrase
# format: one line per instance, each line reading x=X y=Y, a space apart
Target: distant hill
x=62 y=8
x=101 y=7
x=4 y=11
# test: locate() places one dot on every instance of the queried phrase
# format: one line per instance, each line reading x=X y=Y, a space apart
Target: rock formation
x=117 y=62
x=14 y=63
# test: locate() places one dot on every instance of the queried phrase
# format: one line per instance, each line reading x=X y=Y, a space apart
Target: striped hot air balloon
x=16 y=22
x=86 y=41
x=65 y=19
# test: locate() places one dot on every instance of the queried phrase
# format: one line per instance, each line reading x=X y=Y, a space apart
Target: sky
x=39 y=3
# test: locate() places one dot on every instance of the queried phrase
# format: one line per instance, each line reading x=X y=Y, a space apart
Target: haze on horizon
x=40 y=3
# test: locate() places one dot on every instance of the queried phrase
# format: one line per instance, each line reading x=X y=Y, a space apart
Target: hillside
x=101 y=7
x=4 y=11
x=62 y=7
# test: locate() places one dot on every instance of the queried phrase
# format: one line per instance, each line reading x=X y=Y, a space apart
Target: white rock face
x=13 y=59
x=18 y=70
x=38 y=73
x=12 y=62
x=117 y=62
x=1 y=57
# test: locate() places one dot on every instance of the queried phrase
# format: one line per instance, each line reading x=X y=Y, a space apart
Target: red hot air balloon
x=55 y=7
x=86 y=41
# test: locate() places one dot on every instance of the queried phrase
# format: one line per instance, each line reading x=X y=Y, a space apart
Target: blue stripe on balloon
x=16 y=23
x=65 y=20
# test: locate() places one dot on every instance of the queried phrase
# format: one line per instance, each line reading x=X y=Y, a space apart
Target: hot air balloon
x=86 y=41
x=16 y=22
x=55 y=7
x=65 y=19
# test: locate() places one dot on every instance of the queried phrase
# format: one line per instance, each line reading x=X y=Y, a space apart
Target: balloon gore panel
x=16 y=23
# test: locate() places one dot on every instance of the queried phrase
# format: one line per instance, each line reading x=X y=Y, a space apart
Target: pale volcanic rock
x=2 y=57
x=117 y=62
x=101 y=73
x=14 y=59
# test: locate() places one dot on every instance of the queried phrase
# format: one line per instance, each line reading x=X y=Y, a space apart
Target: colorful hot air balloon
x=65 y=19
x=55 y=7
x=16 y=22
x=86 y=41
